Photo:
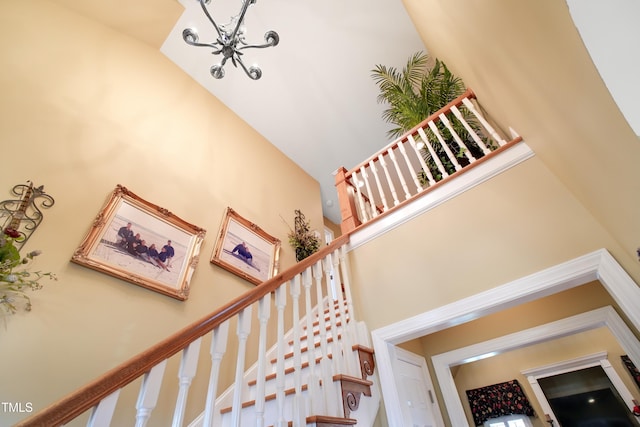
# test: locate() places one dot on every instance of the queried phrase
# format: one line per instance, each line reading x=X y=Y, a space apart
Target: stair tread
x=267 y=398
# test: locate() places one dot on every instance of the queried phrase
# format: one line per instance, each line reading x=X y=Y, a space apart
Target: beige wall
x=517 y=223
x=530 y=70
x=84 y=108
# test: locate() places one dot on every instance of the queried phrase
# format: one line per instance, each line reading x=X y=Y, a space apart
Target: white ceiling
x=316 y=100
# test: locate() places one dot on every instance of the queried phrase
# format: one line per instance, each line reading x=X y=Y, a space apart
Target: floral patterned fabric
x=498 y=400
x=632 y=369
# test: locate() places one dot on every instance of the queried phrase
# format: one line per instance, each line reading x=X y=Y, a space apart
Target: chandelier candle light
x=230 y=41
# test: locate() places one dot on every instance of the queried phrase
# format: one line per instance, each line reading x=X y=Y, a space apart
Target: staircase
x=351 y=397
x=319 y=373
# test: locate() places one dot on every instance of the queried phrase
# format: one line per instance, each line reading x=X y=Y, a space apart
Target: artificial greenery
x=304 y=241
x=414 y=93
x=15 y=277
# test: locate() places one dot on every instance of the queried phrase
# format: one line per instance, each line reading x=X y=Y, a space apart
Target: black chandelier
x=230 y=41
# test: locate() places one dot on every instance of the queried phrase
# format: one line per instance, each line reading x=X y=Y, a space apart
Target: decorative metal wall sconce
x=23 y=215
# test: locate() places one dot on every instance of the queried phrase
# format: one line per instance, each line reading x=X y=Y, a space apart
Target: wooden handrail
x=90 y=395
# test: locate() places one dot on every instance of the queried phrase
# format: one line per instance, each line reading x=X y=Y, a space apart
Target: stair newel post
x=325 y=364
x=315 y=401
x=188 y=367
x=298 y=403
x=264 y=312
x=149 y=391
x=346 y=339
x=242 y=331
x=281 y=303
x=217 y=351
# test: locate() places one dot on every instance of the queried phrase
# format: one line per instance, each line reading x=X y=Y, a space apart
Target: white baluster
x=149 y=391
x=264 y=311
x=298 y=403
x=467 y=103
x=281 y=303
x=403 y=182
x=243 y=330
x=392 y=187
x=363 y=210
x=338 y=364
x=346 y=340
x=313 y=382
x=471 y=131
x=383 y=198
x=326 y=373
x=337 y=361
x=423 y=164
x=445 y=147
x=217 y=350
x=434 y=156
x=454 y=134
x=102 y=413
x=188 y=367
x=372 y=201
x=416 y=181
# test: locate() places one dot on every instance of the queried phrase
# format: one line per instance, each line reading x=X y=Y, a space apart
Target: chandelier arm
x=271 y=37
x=245 y=6
x=254 y=73
x=206 y=12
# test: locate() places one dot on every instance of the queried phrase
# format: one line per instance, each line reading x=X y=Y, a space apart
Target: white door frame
x=597 y=265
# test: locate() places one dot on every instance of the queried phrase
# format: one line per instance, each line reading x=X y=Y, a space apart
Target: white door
x=415 y=389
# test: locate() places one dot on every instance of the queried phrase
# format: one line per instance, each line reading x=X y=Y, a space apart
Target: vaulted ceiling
x=316 y=100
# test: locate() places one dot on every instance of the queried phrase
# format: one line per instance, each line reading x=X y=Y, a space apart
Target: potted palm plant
x=414 y=93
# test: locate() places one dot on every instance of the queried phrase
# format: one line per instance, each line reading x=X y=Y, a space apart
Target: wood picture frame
x=256 y=261
x=126 y=223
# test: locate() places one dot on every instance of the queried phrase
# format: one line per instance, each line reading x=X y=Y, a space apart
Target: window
x=508 y=421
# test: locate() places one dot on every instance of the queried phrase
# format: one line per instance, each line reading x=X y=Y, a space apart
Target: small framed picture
x=245 y=249
x=142 y=243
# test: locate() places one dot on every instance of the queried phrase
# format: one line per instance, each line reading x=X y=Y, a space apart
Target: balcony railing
x=446 y=144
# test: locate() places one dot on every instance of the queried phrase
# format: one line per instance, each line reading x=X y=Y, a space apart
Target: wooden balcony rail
x=309 y=281
x=445 y=144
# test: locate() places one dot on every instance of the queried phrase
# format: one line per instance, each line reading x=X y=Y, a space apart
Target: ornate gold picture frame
x=245 y=249
x=142 y=243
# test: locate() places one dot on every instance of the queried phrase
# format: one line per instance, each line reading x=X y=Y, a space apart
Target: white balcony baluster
x=423 y=164
x=392 y=188
x=465 y=149
x=383 y=198
x=403 y=181
x=452 y=157
x=467 y=103
x=476 y=138
x=434 y=156
x=416 y=179
x=298 y=403
x=371 y=198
